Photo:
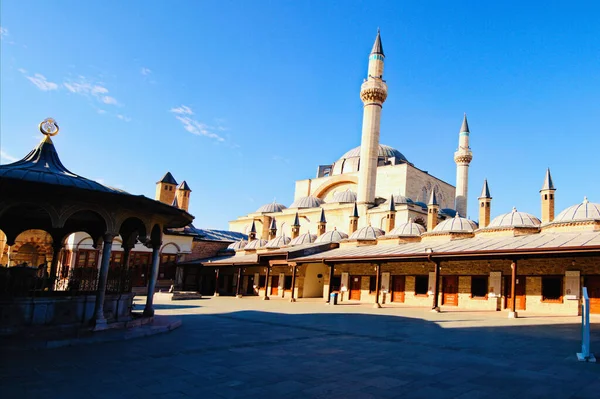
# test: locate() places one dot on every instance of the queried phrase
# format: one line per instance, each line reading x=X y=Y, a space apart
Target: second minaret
x=463 y=158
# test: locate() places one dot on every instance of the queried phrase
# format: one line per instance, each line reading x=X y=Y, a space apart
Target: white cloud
x=4 y=156
x=41 y=82
x=109 y=100
x=198 y=128
x=22 y=70
x=146 y=71
x=101 y=111
x=3 y=32
x=87 y=88
x=183 y=110
x=124 y=118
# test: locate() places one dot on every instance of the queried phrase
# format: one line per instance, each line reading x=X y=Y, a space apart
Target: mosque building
x=374 y=228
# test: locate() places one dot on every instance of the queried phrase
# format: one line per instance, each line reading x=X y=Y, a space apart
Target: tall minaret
x=373 y=93
x=463 y=158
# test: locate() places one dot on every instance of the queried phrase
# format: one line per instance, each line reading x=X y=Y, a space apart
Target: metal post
x=238 y=288
x=293 y=283
x=436 y=288
x=377 y=283
x=330 y=289
x=266 y=297
x=585 y=355
x=513 y=289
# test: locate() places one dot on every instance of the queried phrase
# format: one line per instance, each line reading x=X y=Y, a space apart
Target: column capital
x=108 y=237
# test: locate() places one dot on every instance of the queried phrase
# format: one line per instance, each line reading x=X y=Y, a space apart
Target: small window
x=482 y=204
x=479 y=287
x=166 y=187
x=261 y=281
x=545 y=196
x=488 y=204
x=287 y=283
x=552 y=289
x=421 y=285
x=372 y=284
x=551 y=196
x=170 y=188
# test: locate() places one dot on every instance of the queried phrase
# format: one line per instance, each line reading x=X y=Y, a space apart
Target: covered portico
x=40 y=193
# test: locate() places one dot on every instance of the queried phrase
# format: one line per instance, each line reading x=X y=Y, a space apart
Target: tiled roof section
x=168 y=178
x=548 y=183
x=184 y=186
x=485 y=191
x=211 y=235
x=42 y=165
x=479 y=245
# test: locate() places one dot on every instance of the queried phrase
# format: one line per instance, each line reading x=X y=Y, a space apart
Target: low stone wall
x=20 y=313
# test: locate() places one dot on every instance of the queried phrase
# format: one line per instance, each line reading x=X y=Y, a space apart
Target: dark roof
x=548 y=183
x=184 y=186
x=42 y=165
x=377 y=46
x=485 y=191
x=208 y=234
x=322 y=220
x=465 y=125
x=168 y=178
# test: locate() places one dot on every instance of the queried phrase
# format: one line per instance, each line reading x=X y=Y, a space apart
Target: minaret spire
x=547 y=194
x=462 y=157
x=373 y=94
x=485 y=203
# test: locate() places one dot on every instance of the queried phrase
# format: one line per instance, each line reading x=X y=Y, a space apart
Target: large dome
x=585 y=211
x=278 y=242
x=514 y=219
x=409 y=228
x=456 y=225
x=305 y=238
x=332 y=236
x=344 y=197
x=367 y=233
x=350 y=161
x=270 y=208
x=255 y=244
x=307 y=202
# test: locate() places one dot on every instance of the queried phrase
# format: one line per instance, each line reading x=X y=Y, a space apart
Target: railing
x=23 y=281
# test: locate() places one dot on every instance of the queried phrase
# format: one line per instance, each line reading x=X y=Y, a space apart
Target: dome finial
x=585 y=200
x=514 y=209
x=49 y=127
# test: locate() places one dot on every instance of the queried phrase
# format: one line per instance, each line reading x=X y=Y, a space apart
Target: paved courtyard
x=249 y=348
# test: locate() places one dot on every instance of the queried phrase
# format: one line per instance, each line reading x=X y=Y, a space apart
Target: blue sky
x=242 y=98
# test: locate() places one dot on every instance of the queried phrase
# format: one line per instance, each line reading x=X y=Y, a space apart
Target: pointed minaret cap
x=184 y=186
x=323 y=220
x=296 y=220
x=253 y=228
x=355 y=212
x=175 y=202
x=433 y=199
x=377 y=46
x=167 y=178
x=548 y=184
x=392 y=204
x=465 y=126
x=485 y=191
x=273 y=225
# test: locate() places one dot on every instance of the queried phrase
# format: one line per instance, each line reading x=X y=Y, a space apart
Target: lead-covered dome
x=305 y=238
x=344 y=197
x=366 y=233
x=255 y=244
x=408 y=229
x=514 y=219
x=332 y=236
x=350 y=161
x=456 y=225
x=585 y=211
x=236 y=246
x=278 y=242
x=307 y=202
x=270 y=208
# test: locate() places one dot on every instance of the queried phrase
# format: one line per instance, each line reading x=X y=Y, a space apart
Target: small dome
x=350 y=161
x=278 y=242
x=515 y=219
x=332 y=236
x=366 y=233
x=272 y=207
x=409 y=228
x=238 y=245
x=399 y=200
x=255 y=244
x=305 y=238
x=455 y=225
x=347 y=196
x=585 y=211
x=307 y=202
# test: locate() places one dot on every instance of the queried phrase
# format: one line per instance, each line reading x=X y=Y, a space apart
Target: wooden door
x=450 y=290
x=141 y=270
x=355 y=287
x=275 y=285
x=519 y=293
x=398 y=288
x=593 y=288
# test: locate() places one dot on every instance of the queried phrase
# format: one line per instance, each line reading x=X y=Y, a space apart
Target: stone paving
x=249 y=348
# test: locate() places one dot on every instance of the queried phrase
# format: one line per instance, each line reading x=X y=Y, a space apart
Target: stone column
x=238 y=289
x=377 y=283
x=99 y=318
x=293 y=299
x=149 y=309
x=266 y=297
x=329 y=289
x=513 y=288
x=125 y=266
x=56 y=248
x=436 y=289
